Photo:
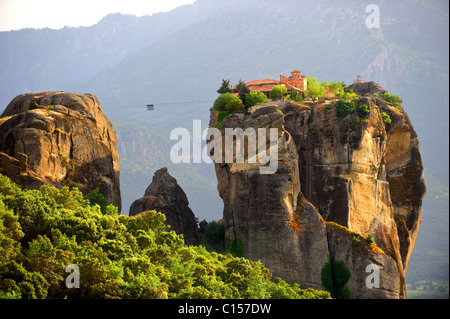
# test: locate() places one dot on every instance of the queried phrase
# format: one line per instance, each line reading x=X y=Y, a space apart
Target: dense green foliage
x=335 y=276
x=43 y=231
x=390 y=98
x=362 y=110
x=235 y=106
x=221 y=102
x=314 y=89
x=95 y=197
x=212 y=235
x=242 y=90
x=335 y=87
x=255 y=98
x=277 y=92
x=294 y=96
x=343 y=108
x=235 y=247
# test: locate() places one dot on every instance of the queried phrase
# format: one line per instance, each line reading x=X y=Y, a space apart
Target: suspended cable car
x=150 y=107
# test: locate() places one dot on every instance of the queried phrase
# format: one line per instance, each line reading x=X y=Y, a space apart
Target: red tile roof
x=263 y=88
x=261 y=82
x=266 y=85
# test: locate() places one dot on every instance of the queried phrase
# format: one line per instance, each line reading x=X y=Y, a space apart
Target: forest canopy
x=44 y=231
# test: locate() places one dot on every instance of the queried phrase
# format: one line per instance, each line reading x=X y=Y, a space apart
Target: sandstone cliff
x=60 y=138
x=165 y=196
x=338 y=181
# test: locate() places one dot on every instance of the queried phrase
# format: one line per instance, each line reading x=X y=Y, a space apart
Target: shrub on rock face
x=343 y=108
x=335 y=276
x=386 y=117
x=221 y=102
x=33 y=105
x=362 y=110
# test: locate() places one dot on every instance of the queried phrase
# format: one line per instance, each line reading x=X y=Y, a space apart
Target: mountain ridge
x=415 y=32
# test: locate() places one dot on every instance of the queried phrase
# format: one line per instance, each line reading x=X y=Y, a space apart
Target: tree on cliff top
x=277 y=92
x=242 y=89
x=314 y=89
x=221 y=102
x=225 y=87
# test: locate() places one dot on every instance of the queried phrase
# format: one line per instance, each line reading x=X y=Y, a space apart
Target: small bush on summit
x=362 y=110
x=221 y=102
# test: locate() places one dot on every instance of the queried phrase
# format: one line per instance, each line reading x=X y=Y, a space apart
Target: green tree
x=118 y=256
x=277 y=92
x=235 y=247
x=10 y=233
x=235 y=106
x=223 y=100
x=225 y=87
x=334 y=276
x=242 y=90
x=106 y=208
x=255 y=98
x=293 y=96
x=343 y=108
x=314 y=89
x=213 y=235
x=222 y=115
x=336 y=87
x=390 y=98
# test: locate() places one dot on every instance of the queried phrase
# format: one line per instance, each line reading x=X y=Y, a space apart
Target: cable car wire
x=157 y=104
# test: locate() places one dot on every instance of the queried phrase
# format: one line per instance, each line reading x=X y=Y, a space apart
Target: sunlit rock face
x=338 y=181
x=60 y=138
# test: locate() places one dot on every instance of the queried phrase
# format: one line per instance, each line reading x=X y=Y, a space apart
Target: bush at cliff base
x=44 y=231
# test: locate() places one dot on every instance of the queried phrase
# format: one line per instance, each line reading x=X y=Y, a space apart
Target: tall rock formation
x=165 y=196
x=346 y=189
x=60 y=138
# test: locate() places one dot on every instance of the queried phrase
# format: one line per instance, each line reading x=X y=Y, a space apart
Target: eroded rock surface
x=60 y=138
x=165 y=196
x=338 y=181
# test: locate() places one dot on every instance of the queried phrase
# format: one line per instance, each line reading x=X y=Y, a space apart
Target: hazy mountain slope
x=331 y=43
x=35 y=60
x=142 y=152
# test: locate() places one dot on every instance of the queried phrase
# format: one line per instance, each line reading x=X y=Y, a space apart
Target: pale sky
x=56 y=14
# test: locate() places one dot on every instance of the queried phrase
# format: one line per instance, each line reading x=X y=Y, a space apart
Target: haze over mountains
x=178 y=59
